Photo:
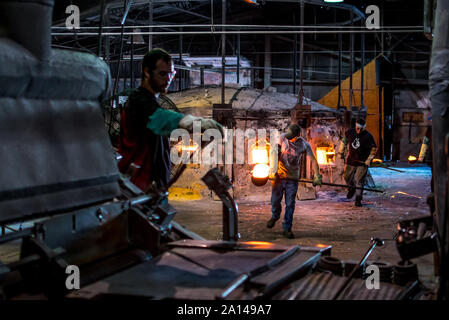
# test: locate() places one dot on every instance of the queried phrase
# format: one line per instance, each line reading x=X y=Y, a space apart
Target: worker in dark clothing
x=362 y=150
x=285 y=175
x=145 y=127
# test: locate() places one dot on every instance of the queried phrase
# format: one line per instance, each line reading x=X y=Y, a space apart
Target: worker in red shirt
x=145 y=127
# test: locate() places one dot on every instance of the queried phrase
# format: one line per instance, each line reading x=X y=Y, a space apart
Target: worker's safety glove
x=317 y=180
x=187 y=123
x=368 y=161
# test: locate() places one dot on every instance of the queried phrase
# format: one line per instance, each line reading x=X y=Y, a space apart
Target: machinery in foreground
x=59 y=172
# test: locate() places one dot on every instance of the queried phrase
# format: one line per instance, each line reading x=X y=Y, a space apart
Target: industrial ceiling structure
x=195 y=27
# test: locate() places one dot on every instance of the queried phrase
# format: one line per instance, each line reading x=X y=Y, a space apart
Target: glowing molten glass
x=259 y=244
x=408 y=194
x=260 y=155
x=190 y=148
x=325 y=155
x=377 y=160
x=412 y=159
x=261 y=170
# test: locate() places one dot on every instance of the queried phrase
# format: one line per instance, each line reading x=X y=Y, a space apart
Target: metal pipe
x=362 y=80
x=100 y=28
x=295 y=61
x=249 y=26
x=301 y=55
x=17 y=235
x=375 y=242
x=233 y=286
x=223 y=50
x=107 y=41
x=267 y=32
x=351 y=44
x=132 y=62
x=181 y=73
x=150 y=18
x=127 y=6
x=341 y=185
x=340 y=47
x=238 y=58
x=382 y=166
x=267 y=62
x=381 y=147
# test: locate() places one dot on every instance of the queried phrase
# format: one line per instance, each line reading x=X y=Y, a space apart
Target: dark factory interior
x=224 y=150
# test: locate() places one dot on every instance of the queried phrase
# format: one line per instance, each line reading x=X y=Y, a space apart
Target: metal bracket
x=220 y=184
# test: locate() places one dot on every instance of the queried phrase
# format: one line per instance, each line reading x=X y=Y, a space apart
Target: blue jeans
x=290 y=187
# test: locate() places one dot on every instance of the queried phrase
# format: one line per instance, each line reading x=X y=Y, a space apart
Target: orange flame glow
x=377 y=160
x=408 y=194
x=260 y=155
x=190 y=148
x=261 y=170
x=325 y=155
x=260 y=244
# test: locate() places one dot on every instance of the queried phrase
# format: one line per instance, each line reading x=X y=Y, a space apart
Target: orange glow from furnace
x=408 y=194
x=260 y=155
x=320 y=245
x=260 y=244
x=190 y=148
x=411 y=158
x=377 y=160
x=261 y=170
x=325 y=155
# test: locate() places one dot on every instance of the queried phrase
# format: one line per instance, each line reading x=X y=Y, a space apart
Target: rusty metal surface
x=298 y=265
x=182 y=273
x=324 y=285
x=227 y=245
x=189 y=271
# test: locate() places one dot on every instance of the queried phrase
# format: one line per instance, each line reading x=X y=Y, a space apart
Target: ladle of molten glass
x=412 y=159
x=260 y=172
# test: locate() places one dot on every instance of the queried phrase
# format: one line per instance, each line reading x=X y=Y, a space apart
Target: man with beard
x=145 y=127
x=362 y=150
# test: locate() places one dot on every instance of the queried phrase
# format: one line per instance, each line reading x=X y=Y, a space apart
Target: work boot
x=358 y=201
x=288 y=234
x=270 y=223
x=351 y=193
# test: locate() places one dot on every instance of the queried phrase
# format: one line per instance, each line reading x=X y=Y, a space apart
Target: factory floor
x=331 y=219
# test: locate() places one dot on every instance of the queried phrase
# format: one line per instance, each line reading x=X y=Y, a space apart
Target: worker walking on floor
x=362 y=150
x=285 y=175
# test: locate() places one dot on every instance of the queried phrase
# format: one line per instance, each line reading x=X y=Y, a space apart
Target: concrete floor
x=331 y=219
